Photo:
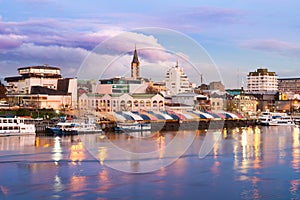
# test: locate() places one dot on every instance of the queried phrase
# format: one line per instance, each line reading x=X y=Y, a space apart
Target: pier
x=166 y=125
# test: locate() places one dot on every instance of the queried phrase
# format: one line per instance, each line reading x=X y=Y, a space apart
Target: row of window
x=8 y=121
x=136 y=103
x=9 y=128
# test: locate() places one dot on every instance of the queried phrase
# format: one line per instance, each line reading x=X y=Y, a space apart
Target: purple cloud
x=209 y=14
x=8 y=42
x=273 y=46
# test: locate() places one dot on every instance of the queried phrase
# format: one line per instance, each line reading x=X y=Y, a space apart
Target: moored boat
x=133 y=126
x=16 y=126
x=74 y=128
x=266 y=117
x=282 y=121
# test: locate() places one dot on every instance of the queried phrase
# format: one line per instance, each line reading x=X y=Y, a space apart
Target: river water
x=242 y=163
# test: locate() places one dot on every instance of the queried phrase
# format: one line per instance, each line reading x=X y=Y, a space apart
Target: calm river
x=242 y=163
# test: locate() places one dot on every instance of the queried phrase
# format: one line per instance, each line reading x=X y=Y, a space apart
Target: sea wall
x=169 y=125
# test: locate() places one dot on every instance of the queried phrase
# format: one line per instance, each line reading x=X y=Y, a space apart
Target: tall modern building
x=135 y=66
x=177 y=81
x=262 y=81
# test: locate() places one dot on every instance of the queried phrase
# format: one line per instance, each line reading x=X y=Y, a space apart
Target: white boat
x=266 y=117
x=74 y=128
x=282 y=121
x=16 y=126
x=133 y=126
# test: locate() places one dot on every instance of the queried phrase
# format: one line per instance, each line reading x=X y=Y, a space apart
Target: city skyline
x=238 y=36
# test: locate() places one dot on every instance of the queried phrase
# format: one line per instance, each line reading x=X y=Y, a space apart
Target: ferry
x=73 y=128
x=266 y=117
x=282 y=121
x=133 y=126
x=16 y=126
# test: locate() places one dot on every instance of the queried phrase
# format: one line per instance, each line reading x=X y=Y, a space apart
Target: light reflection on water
x=246 y=163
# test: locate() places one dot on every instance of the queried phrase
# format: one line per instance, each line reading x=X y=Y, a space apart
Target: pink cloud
x=210 y=14
x=8 y=42
x=273 y=46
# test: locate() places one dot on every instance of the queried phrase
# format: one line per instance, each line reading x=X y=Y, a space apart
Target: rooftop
x=39 y=67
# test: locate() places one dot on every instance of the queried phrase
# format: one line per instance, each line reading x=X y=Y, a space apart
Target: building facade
x=217 y=85
x=262 y=81
x=177 y=81
x=245 y=104
x=135 y=66
x=121 y=85
x=42 y=87
x=289 y=85
x=121 y=102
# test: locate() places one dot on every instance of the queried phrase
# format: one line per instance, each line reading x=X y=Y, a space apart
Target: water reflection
x=294 y=188
x=11 y=143
x=247 y=150
x=130 y=154
x=296 y=151
x=247 y=163
x=57 y=150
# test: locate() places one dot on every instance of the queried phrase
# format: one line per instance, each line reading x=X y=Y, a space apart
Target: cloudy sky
x=219 y=39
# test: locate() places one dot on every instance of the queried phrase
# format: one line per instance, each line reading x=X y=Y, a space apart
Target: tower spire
x=135 y=57
x=135 y=65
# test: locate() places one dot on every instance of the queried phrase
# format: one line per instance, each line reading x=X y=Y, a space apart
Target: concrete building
x=217 y=100
x=216 y=85
x=121 y=85
x=42 y=87
x=197 y=101
x=262 y=81
x=177 y=81
x=289 y=85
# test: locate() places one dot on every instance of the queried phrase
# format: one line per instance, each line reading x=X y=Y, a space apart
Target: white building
x=177 y=81
x=42 y=87
x=120 y=102
x=262 y=81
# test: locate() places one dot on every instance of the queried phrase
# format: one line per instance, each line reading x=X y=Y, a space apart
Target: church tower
x=135 y=66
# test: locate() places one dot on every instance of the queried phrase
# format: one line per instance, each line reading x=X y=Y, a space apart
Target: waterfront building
x=289 y=85
x=262 y=81
x=42 y=87
x=121 y=102
x=177 y=81
x=197 y=101
x=245 y=104
x=217 y=100
x=186 y=98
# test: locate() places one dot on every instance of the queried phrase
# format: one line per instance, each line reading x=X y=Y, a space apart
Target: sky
x=221 y=40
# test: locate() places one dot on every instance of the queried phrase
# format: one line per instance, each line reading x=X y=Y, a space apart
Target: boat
x=16 y=126
x=73 y=128
x=266 y=117
x=132 y=126
x=282 y=121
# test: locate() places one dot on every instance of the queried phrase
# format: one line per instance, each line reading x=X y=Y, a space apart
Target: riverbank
x=167 y=125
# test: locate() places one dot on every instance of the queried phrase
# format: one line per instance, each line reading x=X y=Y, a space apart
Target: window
x=142 y=103
x=161 y=104
x=136 y=103
x=148 y=103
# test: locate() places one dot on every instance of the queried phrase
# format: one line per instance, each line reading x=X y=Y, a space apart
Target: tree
x=2 y=91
